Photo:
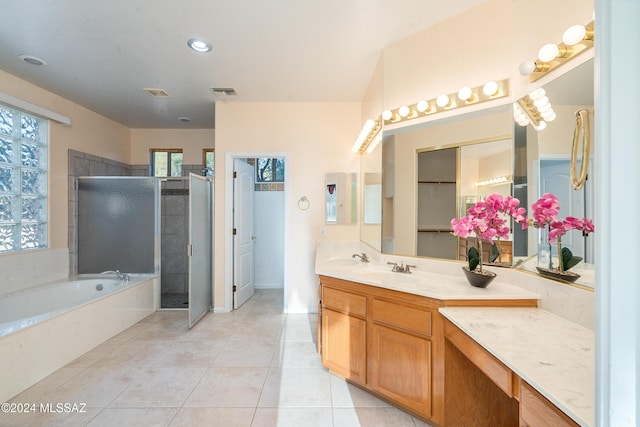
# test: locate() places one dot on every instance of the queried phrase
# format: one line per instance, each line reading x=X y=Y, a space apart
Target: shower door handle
x=189 y=250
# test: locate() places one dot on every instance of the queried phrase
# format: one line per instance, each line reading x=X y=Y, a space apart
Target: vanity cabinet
x=536 y=410
x=401 y=353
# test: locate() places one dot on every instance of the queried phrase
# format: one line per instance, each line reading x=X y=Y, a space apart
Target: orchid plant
x=545 y=216
x=488 y=219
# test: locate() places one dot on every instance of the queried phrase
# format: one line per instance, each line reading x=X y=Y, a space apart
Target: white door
x=243 y=237
x=555 y=178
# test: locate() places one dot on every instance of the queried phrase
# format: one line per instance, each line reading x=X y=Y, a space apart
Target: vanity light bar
x=534 y=108
x=575 y=40
x=494 y=181
x=368 y=135
x=465 y=96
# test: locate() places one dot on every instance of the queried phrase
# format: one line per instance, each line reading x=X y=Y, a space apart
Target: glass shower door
x=200 y=247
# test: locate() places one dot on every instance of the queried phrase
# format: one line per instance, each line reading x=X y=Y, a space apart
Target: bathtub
x=43 y=328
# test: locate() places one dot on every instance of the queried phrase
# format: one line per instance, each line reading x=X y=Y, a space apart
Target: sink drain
x=99 y=287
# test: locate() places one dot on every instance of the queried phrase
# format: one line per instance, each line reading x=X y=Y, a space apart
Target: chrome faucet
x=402 y=268
x=121 y=276
x=363 y=257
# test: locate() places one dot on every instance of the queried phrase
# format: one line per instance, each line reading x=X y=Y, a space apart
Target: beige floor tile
x=345 y=395
x=292 y=417
x=160 y=387
x=371 y=417
x=293 y=354
x=228 y=387
x=257 y=331
x=139 y=354
x=213 y=417
x=250 y=354
x=96 y=387
x=50 y=419
x=296 y=387
x=147 y=417
x=190 y=354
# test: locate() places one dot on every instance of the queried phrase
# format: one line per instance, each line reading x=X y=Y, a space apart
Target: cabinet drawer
x=536 y=410
x=485 y=361
x=410 y=318
x=344 y=302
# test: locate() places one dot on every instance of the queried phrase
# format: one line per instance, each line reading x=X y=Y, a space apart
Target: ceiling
x=101 y=54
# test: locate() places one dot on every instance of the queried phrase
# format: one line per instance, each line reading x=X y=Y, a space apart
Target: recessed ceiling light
x=184 y=119
x=33 y=60
x=199 y=45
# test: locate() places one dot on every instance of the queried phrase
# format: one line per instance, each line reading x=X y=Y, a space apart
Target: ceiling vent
x=157 y=93
x=224 y=92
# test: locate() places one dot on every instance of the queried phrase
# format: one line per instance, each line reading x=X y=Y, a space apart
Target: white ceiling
x=101 y=54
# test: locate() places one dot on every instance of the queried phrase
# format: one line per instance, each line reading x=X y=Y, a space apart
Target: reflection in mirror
x=341 y=198
x=545 y=157
x=371 y=178
x=422 y=181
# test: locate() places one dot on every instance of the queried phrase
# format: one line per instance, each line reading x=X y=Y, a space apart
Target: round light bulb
x=541 y=126
x=548 y=52
x=537 y=94
x=527 y=67
x=465 y=93
x=422 y=106
x=403 y=111
x=549 y=116
x=541 y=102
x=544 y=108
x=387 y=114
x=368 y=125
x=442 y=101
x=574 y=35
x=490 y=88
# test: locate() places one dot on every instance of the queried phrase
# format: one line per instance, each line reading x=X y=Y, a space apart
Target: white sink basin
x=343 y=261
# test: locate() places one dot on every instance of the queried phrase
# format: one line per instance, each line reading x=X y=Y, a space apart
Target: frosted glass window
x=23 y=180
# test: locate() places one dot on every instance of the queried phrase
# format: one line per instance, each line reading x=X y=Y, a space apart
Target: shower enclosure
x=150 y=225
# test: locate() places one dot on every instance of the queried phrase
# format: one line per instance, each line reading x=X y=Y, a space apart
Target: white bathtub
x=45 y=327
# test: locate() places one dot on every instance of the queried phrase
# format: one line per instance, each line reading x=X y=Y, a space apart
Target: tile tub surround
x=255 y=366
x=553 y=355
x=31 y=354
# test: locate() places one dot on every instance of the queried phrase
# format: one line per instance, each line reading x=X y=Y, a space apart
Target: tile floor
x=253 y=367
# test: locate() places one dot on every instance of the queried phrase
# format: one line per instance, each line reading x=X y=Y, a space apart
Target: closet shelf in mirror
x=434 y=230
x=436 y=182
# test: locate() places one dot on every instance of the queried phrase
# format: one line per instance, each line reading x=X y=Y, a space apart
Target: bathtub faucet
x=121 y=276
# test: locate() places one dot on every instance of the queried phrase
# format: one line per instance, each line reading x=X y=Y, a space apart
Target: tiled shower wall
x=173 y=211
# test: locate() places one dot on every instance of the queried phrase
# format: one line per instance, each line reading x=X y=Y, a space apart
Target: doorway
x=256 y=202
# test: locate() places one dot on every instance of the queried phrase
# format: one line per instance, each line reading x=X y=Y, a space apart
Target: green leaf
x=568 y=260
x=473 y=257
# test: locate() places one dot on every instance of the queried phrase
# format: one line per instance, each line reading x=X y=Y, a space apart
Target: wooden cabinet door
x=401 y=368
x=344 y=345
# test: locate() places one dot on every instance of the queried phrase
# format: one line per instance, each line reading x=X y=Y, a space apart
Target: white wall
x=317 y=138
x=269 y=244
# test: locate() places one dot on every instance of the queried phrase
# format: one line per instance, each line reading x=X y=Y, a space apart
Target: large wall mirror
x=485 y=152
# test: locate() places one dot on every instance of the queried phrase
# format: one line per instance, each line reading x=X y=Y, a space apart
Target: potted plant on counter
x=487 y=220
x=545 y=217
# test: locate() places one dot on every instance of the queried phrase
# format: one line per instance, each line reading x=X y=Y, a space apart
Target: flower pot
x=554 y=273
x=479 y=279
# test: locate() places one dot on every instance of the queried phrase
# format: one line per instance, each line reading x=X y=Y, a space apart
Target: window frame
x=273 y=171
x=169 y=152
x=206 y=151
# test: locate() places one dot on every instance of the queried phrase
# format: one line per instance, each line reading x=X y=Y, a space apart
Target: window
x=269 y=169
x=23 y=181
x=166 y=162
x=209 y=161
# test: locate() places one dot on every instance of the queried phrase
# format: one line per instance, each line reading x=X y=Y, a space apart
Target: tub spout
x=121 y=276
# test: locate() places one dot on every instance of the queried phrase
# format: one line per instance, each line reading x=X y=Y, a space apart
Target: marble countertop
x=425 y=280
x=555 y=356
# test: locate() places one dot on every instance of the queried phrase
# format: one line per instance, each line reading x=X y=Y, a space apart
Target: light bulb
x=544 y=108
x=465 y=94
x=422 y=106
x=442 y=101
x=490 y=88
x=548 y=52
x=574 y=35
x=541 y=126
x=537 y=94
x=541 y=102
x=387 y=114
x=549 y=116
x=403 y=111
x=368 y=125
x=527 y=67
